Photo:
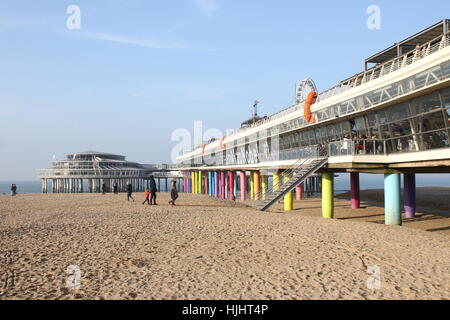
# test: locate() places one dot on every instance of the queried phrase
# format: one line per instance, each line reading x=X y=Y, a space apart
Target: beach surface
x=206 y=248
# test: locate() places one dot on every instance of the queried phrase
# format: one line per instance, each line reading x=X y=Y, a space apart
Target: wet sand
x=210 y=249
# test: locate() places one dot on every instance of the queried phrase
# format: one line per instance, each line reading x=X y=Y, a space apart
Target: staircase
x=290 y=179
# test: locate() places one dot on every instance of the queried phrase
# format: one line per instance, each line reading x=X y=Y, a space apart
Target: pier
x=392 y=119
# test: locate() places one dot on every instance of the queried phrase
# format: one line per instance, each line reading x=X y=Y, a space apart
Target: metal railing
x=358 y=147
x=285 y=177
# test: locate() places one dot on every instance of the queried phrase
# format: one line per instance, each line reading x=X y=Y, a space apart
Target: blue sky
x=139 y=69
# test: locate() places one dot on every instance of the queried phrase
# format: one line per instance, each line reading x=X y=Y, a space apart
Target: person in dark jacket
x=103 y=188
x=115 y=188
x=153 y=190
x=13 y=190
x=129 y=192
x=173 y=193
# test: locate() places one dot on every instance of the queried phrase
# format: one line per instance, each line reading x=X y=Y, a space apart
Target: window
x=399 y=112
x=429 y=122
x=426 y=103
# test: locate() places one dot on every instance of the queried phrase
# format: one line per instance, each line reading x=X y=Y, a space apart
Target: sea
x=367 y=182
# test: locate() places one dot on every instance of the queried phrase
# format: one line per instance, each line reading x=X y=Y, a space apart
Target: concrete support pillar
x=257 y=185
x=392 y=202
x=252 y=185
x=328 y=195
x=410 y=195
x=222 y=185
x=288 y=198
x=231 y=195
x=243 y=181
x=216 y=184
x=299 y=192
x=193 y=182
x=276 y=181
x=355 y=192
x=263 y=186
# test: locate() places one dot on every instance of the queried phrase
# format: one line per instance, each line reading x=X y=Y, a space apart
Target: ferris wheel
x=304 y=88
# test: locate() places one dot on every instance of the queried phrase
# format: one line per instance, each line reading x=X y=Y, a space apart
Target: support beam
x=288 y=198
x=243 y=181
x=355 y=192
x=328 y=195
x=392 y=203
x=299 y=192
x=231 y=185
x=410 y=195
x=257 y=185
x=263 y=186
x=252 y=185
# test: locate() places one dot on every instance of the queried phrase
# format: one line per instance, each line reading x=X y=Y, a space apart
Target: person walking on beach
x=173 y=193
x=115 y=188
x=103 y=188
x=129 y=192
x=13 y=190
x=153 y=190
x=147 y=196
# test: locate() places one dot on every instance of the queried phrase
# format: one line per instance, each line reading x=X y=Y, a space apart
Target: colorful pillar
x=354 y=186
x=216 y=184
x=193 y=182
x=328 y=195
x=257 y=185
x=243 y=179
x=288 y=198
x=410 y=195
x=276 y=181
x=299 y=192
x=264 y=186
x=392 y=203
x=222 y=185
x=231 y=185
x=252 y=185
x=200 y=182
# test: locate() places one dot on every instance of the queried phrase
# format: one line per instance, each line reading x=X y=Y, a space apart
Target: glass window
x=429 y=122
x=446 y=97
x=372 y=119
x=433 y=140
x=385 y=133
x=398 y=112
x=400 y=128
x=426 y=103
x=446 y=69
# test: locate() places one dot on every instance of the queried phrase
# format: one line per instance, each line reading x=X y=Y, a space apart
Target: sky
x=137 y=70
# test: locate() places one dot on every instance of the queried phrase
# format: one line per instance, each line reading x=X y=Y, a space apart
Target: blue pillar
x=392 y=200
x=211 y=183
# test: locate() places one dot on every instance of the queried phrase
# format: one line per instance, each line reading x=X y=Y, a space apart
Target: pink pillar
x=231 y=185
x=222 y=185
x=216 y=184
x=243 y=185
x=299 y=192
x=354 y=184
x=206 y=183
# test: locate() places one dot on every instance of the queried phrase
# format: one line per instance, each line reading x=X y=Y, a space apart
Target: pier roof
x=410 y=43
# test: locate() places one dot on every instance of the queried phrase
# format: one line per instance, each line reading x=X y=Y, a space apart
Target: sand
x=208 y=249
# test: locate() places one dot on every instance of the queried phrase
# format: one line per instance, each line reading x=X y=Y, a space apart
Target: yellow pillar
x=257 y=183
x=200 y=182
x=252 y=185
x=193 y=181
x=288 y=199
x=328 y=195
x=276 y=181
x=264 y=186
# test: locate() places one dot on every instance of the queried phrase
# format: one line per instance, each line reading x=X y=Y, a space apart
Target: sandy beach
x=212 y=249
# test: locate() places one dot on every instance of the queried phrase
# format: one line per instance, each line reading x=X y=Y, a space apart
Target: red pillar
x=231 y=185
